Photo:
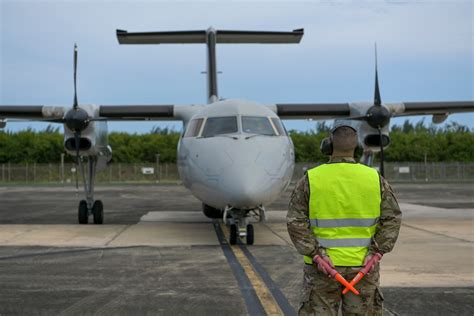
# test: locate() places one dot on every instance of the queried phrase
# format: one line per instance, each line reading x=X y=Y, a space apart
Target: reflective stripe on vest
x=344 y=209
x=354 y=222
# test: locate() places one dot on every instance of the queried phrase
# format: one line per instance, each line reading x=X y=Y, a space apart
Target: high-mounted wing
x=137 y=112
x=313 y=111
x=106 y=112
x=426 y=108
x=21 y=111
x=343 y=110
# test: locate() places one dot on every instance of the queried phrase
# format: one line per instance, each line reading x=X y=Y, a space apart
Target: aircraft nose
x=257 y=173
x=245 y=186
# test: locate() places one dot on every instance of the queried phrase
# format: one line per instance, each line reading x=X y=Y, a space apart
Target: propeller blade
x=377 y=99
x=75 y=75
x=382 y=172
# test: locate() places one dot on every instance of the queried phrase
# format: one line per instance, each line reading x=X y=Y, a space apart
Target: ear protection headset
x=326 y=146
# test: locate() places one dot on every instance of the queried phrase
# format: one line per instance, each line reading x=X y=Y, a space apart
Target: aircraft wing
x=343 y=110
x=435 y=107
x=137 y=112
x=105 y=112
x=313 y=110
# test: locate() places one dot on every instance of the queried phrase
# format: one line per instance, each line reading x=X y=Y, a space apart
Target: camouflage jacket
x=299 y=227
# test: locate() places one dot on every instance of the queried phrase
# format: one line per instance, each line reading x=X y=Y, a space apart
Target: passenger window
x=193 y=128
x=257 y=125
x=279 y=126
x=220 y=125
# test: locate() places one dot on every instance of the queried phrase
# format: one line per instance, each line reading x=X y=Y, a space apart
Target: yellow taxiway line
x=261 y=289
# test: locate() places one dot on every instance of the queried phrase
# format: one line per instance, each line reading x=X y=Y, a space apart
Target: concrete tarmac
x=157 y=254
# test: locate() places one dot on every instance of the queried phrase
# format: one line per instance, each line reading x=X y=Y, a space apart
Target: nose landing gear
x=239 y=223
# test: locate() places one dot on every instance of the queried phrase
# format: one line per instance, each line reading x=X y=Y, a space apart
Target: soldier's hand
x=367 y=259
x=322 y=268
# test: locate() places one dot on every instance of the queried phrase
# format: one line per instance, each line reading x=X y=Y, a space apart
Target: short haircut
x=344 y=138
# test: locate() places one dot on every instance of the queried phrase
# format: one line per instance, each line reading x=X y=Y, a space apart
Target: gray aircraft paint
x=234 y=169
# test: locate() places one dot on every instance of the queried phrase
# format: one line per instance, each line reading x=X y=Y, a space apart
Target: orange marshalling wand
x=376 y=258
x=335 y=274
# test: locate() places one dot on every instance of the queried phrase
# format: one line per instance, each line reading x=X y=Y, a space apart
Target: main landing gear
x=89 y=206
x=239 y=223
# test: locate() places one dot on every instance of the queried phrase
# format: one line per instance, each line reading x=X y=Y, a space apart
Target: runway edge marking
x=252 y=302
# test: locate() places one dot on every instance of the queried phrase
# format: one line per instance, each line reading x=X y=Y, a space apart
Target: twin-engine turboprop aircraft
x=234 y=155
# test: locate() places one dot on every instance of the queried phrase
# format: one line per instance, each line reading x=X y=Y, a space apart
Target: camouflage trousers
x=322 y=295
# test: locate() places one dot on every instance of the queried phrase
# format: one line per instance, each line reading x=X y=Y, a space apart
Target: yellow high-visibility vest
x=344 y=209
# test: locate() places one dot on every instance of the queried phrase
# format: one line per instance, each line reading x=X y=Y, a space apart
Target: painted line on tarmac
x=269 y=295
x=252 y=302
x=263 y=293
x=282 y=301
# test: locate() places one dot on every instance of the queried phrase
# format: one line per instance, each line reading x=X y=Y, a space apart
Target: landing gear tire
x=211 y=212
x=82 y=212
x=98 y=212
x=234 y=233
x=250 y=234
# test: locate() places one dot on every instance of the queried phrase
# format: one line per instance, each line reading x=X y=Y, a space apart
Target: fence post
x=426 y=167
x=120 y=172
x=3 y=172
x=9 y=172
x=62 y=168
x=26 y=173
x=157 y=174
x=49 y=172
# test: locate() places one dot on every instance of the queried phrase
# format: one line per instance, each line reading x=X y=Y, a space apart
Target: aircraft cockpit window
x=279 y=126
x=220 y=125
x=194 y=127
x=257 y=125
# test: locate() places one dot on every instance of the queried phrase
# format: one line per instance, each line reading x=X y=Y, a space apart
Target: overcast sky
x=425 y=53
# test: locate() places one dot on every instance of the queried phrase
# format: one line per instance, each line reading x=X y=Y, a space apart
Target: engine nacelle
x=93 y=140
x=369 y=138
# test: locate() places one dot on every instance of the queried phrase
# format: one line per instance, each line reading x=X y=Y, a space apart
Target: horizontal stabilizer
x=259 y=37
x=175 y=37
x=222 y=37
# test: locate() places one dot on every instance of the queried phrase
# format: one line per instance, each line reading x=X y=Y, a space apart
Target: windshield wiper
x=251 y=136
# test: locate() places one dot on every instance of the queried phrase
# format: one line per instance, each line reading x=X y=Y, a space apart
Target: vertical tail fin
x=211 y=37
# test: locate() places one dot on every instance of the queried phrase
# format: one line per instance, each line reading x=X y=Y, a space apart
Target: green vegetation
x=408 y=143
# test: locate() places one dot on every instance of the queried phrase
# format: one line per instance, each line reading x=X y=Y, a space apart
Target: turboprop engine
x=86 y=135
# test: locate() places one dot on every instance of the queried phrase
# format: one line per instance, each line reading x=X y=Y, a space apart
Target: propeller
x=383 y=117
x=377 y=116
x=76 y=119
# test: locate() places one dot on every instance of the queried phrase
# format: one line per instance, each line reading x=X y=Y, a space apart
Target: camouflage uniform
x=322 y=295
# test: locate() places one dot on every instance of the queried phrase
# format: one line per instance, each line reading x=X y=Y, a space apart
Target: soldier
x=344 y=212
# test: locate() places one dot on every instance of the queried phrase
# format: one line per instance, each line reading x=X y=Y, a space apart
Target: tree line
x=409 y=142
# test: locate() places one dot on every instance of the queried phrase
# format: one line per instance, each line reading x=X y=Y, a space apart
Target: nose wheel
x=238 y=222
x=236 y=234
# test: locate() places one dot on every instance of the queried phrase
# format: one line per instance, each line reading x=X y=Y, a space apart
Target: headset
x=326 y=146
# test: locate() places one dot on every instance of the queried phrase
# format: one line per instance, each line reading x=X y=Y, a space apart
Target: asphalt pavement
x=157 y=254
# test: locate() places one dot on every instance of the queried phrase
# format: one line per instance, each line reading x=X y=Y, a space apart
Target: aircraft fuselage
x=232 y=154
